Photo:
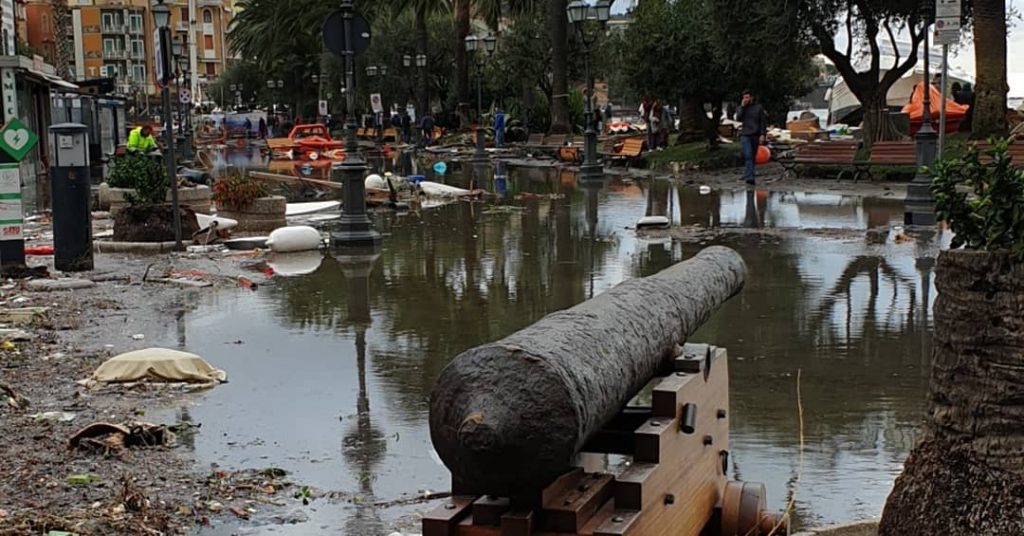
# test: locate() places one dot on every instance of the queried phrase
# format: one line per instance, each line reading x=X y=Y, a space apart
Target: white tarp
x=157 y=364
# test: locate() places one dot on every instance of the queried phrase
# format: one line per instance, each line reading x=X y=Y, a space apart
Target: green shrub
x=146 y=176
x=238 y=191
x=982 y=202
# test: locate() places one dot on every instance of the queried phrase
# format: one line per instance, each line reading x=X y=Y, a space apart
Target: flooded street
x=330 y=372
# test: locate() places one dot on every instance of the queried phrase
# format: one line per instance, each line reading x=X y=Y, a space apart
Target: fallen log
x=508 y=417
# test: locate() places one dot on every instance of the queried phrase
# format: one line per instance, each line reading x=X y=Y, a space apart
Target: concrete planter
x=262 y=215
x=197 y=198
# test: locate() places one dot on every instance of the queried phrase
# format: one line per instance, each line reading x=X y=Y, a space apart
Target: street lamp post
x=920 y=208
x=474 y=44
x=183 y=65
x=355 y=228
x=421 y=66
x=580 y=14
x=162 y=20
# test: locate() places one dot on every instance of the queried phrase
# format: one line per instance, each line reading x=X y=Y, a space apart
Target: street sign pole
x=16 y=141
x=947 y=32
x=945 y=93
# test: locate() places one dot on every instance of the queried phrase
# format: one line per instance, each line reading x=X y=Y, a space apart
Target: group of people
x=659 y=121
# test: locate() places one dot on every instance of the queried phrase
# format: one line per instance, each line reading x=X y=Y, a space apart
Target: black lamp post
x=421 y=66
x=474 y=44
x=355 y=228
x=162 y=19
x=580 y=14
x=920 y=207
x=186 y=125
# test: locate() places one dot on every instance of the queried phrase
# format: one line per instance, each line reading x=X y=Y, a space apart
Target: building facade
x=46 y=28
x=114 y=39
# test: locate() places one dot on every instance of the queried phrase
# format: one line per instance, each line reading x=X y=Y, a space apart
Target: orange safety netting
x=915 y=109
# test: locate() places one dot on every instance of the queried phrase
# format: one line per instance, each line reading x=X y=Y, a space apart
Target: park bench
x=1015 y=150
x=361 y=133
x=888 y=154
x=534 y=140
x=827 y=153
x=390 y=134
x=629 y=150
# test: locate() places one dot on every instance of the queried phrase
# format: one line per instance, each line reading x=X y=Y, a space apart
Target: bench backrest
x=536 y=138
x=555 y=140
x=829 y=152
x=1015 y=150
x=896 y=153
x=632 y=147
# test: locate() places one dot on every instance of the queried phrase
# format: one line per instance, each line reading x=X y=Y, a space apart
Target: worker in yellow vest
x=141 y=140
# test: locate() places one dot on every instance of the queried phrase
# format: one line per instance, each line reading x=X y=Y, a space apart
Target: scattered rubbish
x=183 y=282
x=291 y=239
x=704 y=190
x=16 y=335
x=156 y=365
x=8 y=346
x=440 y=168
x=247 y=243
x=14 y=399
x=106 y=438
x=49 y=285
x=212 y=248
x=239 y=513
x=247 y=283
x=54 y=416
x=214 y=506
x=40 y=251
x=295 y=264
x=23 y=316
x=138 y=337
x=653 y=222
x=83 y=479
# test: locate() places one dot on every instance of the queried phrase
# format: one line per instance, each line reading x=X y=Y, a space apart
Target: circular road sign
x=334 y=33
x=184 y=96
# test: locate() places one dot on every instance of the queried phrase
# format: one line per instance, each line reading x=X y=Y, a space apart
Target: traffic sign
x=16 y=139
x=947 y=31
x=947 y=9
x=334 y=33
x=185 y=95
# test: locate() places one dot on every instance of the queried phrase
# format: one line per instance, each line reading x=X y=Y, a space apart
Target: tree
x=864 y=22
x=990 y=59
x=558 y=26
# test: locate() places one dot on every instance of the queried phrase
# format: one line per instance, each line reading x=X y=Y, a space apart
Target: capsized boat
x=307 y=142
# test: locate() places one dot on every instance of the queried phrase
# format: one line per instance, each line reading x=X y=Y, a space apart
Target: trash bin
x=70 y=194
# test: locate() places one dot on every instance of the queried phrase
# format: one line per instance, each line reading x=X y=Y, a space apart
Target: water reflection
x=851 y=315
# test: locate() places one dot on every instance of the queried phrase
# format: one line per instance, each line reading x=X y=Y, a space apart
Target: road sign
x=376 y=103
x=947 y=31
x=947 y=9
x=334 y=33
x=185 y=95
x=16 y=139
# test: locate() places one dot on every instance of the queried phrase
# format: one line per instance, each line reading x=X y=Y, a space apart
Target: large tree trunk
x=966 y=475
x=692 y=121
x=558 y=26
x=422 y=87
x=877 y=125
x=509 y=416
x=462 y=61
x=990 y=58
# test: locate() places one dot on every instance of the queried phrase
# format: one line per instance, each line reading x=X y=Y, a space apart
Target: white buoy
x=297 y=238
x=295 y=264
x=653 y=222
x=376 y=182
x=705 y=190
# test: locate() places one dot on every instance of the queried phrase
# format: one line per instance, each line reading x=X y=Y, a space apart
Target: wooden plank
x=623 y=522
x=579 y=505
x=602 y=516
x=444 y=520
x=561 y=486
x=488 y=509
x=689 y=470
x=516 y=523
x=292 y=179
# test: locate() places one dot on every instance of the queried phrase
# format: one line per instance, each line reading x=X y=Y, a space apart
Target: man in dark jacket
x=753 y=129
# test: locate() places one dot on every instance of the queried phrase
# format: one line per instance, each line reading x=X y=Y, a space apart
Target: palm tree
x=462 y=19
x=422 y=10
x=558 y=27
x=990 y=57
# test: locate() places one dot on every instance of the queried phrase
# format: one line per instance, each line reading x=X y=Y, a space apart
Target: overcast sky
x=962 y=57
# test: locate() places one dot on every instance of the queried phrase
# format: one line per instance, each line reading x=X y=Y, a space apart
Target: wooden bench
x=629 y=150
x=534 y=140
x=1015 y=150
x=827 y=153
x=888 y=154
x=360 y=133
x=390 y=134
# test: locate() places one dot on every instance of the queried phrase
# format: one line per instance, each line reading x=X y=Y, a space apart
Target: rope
x=800 y=463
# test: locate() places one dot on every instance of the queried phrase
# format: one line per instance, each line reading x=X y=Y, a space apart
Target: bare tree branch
x=892 y=40
x=849 y=31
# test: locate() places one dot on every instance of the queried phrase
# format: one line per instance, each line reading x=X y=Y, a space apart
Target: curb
x=859 y=528
x=105 y=246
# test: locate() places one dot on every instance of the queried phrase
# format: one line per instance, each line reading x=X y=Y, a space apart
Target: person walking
x=427 y=129
x=263 y=128
x=406 y=127
x=753 y=129
x=645 y=113
x=499 y=128
x=654 y=126
x=967 y=99
x=598 y=121
x=608 y=115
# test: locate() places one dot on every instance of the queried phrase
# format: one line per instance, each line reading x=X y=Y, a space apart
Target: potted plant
x=147 y=217
x=127 y=171
x=966 y=473
x=248 y=200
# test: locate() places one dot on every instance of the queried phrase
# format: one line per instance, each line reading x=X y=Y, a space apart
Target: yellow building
x=114 y=39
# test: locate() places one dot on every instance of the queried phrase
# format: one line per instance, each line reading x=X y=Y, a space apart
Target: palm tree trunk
x=558 y=25
x=966 y=474
x=990 y=58
x=422 y=89
x=462 y=59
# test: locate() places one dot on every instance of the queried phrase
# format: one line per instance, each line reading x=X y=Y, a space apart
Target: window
x=44 y=24
x=211 y=69
x=208 y=42
x=139 y=73
x=207 y=16
x=138 y=48
x=109 y=20
x=109 y=46
x=184 y=15
x=136 y=22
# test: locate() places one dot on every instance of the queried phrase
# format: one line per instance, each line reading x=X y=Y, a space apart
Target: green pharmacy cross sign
x=17 y=140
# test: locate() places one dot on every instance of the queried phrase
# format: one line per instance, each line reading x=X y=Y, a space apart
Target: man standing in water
x=754 y=127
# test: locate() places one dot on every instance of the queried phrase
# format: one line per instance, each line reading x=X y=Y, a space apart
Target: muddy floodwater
x=330 y=371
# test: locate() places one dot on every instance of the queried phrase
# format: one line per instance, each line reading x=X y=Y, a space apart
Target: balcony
x=112 y=29
x=211 y=3
x=133 y=30
x=181 y=27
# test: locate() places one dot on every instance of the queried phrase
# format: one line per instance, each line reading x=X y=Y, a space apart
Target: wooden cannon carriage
x=520 y=422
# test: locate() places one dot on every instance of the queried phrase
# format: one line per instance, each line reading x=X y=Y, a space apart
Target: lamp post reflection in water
x=591 y=186
x=363 y=445
x=501 y=179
